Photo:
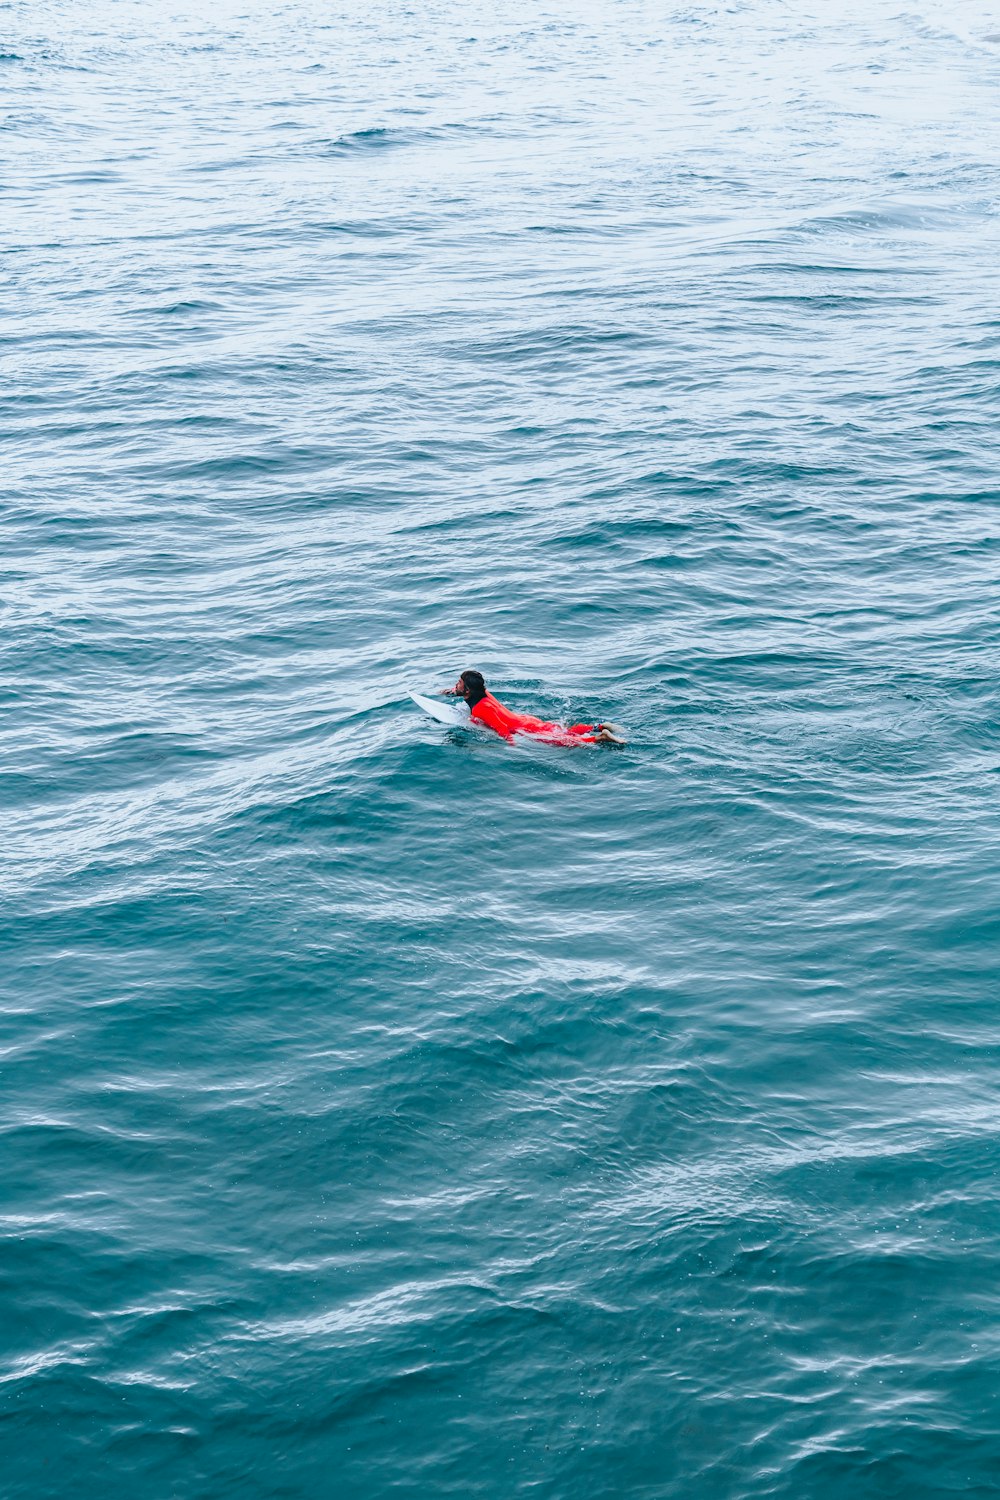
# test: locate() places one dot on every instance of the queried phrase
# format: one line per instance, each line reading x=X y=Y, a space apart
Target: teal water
x=387 y=1110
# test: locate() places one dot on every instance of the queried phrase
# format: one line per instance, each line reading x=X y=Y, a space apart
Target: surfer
x=485 y=709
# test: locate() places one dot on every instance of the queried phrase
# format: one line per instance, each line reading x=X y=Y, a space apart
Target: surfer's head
x=471 y=687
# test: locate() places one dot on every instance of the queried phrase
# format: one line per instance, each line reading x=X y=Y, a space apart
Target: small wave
x=389 y=138
x=877 y=218
x=184 y=305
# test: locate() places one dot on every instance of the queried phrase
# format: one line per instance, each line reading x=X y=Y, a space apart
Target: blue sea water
x=387 y=1110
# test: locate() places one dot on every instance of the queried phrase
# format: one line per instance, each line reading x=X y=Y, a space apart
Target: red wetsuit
x=507 y=723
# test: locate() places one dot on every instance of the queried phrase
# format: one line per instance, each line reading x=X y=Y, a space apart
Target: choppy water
x=387 y=1110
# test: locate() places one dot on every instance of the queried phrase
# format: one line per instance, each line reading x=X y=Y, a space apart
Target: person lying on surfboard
x=485 y=709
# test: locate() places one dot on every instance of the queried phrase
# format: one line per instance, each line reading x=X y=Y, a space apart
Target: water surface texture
x=387 y=1110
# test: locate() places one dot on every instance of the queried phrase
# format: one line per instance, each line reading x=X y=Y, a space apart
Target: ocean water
x=387 y=1110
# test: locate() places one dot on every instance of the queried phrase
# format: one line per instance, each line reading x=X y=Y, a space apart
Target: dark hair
x=475 y=687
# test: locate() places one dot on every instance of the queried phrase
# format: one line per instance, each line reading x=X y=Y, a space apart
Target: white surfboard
x=456 y=714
